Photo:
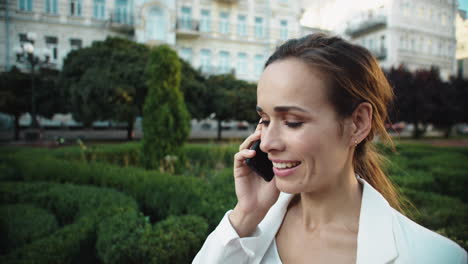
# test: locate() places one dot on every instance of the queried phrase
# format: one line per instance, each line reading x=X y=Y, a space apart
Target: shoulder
x=423 y=245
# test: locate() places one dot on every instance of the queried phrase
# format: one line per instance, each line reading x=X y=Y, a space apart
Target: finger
x=241 y=156
x=248 y=141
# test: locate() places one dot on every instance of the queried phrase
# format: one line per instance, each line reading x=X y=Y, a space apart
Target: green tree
x=166 y=121
x=196 y=93
x=15 y=95
x=450 y=105
x=231 y=99
x=106 y=81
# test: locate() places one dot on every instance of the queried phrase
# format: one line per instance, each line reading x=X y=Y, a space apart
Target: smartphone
x=260 y=162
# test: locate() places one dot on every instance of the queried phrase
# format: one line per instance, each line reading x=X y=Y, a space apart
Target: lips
x=283 y=168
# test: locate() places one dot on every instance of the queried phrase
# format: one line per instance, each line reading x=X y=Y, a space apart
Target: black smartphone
x=260 y=162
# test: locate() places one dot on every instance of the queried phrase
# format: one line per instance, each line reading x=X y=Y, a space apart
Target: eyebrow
x=282 y=109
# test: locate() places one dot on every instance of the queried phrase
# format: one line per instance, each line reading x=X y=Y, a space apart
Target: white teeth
x=285 y=164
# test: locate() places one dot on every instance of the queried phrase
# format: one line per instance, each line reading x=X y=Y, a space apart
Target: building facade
x=415 y=33
x=462 y=44
x=216 y=36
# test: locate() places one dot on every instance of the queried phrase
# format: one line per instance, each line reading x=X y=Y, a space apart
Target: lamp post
x=25 y=54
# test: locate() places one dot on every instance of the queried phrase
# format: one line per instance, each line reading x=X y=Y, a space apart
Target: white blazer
x=384 y=236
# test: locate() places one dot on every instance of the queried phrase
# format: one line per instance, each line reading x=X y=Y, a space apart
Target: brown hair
x=356 y=77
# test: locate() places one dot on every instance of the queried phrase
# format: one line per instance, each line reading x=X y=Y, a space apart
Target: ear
x=361 y=123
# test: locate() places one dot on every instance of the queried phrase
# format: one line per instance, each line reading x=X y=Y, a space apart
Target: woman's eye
x=293 y=124
x=265 y=122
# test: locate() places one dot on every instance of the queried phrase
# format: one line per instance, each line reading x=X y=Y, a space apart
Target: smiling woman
x=321 y=101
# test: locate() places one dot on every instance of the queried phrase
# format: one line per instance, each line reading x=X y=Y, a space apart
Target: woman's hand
x=255 y=196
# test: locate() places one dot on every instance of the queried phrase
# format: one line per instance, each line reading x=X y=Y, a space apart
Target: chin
x=288 y=187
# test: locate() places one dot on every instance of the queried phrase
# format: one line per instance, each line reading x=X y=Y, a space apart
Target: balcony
x=367 y=25
x=228 y=1
x=380 y=54
x=187 y=28
x=121 y=23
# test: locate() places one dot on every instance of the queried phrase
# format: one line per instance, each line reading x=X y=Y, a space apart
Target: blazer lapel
x=376 y=241
x=269 y=227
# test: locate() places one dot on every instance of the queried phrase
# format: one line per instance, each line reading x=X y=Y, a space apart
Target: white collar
x=376 y=241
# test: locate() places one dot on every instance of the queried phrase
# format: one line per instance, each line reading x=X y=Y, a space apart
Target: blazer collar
x=376 y=242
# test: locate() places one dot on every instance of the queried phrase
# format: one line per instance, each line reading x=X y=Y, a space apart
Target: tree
x=231 y=99
x=196 y=93
x=106 y=81
x=15 y=95
x=450 y=104
x=412 y=98
x=166 y=121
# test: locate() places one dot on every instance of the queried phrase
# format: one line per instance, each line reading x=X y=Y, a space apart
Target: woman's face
x=301 y=131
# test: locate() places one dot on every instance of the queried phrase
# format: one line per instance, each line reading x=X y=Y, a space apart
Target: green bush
x=158 y=194
x=21 y=224
x=119 y=237
x=78 y=209
x=166 y=121
x=175 y=240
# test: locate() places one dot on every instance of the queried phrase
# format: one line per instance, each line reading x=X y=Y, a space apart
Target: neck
x=338 y=206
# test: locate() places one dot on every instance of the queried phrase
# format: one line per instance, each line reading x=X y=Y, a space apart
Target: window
x=205 y=23
x=259 y=27
x=51 y=6
x=242 y=25
x=25 y=5
x=443 y=19
x=371 y=44
x=258 y=64
x=156 y=24
x=186 y=18
x=75 y=7
x=51 y=44
x=283 y=30
x=224 y=65
x=76 y=44
x=186 y=54
x=241 y=63
x=429 y=46
x=224 y=22
x=122 y=15
x=205 y=60
x=99 y=9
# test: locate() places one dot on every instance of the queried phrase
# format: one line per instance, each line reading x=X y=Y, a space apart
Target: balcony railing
x=366 y=25
x=228 y=1
x=122 y=23
x=188 y=27
x=380 y=54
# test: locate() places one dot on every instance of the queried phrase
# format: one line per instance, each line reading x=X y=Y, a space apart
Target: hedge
x=78 y=209
x=21 y=224
x=100 y=225
x=159 y=195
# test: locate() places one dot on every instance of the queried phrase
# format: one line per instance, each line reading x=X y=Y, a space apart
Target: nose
x=271 y=140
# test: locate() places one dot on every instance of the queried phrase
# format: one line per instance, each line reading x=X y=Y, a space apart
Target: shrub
x=21 y=224
x=175 y=240
x=78 y=208
x=166 y=121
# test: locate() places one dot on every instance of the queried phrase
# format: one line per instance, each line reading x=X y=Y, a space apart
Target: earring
x=356 y=142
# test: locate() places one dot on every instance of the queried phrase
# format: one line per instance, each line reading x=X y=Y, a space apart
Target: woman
x=321 y=101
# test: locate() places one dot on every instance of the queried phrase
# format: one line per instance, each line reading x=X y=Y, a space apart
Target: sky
x=463 y=4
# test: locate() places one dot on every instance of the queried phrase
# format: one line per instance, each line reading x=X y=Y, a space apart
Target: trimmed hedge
x=100 y=225
x=158 y=194
x=21 y=224
x=78 y=209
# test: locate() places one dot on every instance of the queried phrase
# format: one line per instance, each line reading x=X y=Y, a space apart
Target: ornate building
x=416 y=33
x=217 y=36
